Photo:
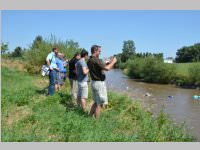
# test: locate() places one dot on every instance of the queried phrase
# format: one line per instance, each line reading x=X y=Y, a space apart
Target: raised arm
x=111 y=64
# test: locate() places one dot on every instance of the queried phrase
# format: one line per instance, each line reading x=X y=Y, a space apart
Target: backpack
x=45 y=69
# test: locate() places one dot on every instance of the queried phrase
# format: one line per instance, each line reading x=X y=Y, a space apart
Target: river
x=177 y=102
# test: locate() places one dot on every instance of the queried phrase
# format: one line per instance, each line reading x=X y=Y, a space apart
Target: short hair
x=76 y=54
x=94 y=48
x=84 y=53
x=53 y=49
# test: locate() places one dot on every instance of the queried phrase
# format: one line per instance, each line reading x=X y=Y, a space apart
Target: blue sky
x=152 y=31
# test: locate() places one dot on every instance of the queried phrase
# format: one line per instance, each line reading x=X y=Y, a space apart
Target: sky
x=152 y=31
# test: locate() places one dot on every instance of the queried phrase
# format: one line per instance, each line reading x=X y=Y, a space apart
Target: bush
x=135 y=68
x=151 y=70
x=37 y=53
x=158 y=72
x=122 y=65
x=181 y=80
x=194 y=74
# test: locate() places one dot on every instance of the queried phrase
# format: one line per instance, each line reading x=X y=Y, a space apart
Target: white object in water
x=127 y=88
x=147 y=94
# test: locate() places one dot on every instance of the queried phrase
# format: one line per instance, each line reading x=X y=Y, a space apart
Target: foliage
x=147 y=54
x=194 y=74
x=37 y=53
x=158 y=72
x=151 y=69
x=135 y=68
x=182 y=80
x=188 y=54
x=4 y=48
x=128 y=50
x=18 y=52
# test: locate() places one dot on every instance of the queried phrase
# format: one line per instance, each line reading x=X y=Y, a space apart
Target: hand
x=50 y=68
x=114 y=60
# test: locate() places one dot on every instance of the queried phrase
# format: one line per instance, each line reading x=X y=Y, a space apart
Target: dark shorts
x=59 y=78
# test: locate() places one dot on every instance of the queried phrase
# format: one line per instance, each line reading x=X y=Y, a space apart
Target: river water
x=177 y=102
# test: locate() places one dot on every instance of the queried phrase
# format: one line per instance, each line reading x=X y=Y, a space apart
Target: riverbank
x=153 y=70
x=29 y=115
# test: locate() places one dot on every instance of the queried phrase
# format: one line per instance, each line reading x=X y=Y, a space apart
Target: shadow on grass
x=43 y=91
x=70 y=104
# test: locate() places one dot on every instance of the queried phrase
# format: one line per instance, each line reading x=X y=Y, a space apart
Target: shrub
x=37 y=53
x=122 y=65
x=158 y=72
x=181 y=79
x=135 y=68
x=151 y=70
x=194 y=74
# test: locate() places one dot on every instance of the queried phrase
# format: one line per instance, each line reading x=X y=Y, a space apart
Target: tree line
x=188 y=54
x=183 y=55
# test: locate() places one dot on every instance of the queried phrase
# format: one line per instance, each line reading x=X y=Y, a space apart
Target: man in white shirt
x=51 y=62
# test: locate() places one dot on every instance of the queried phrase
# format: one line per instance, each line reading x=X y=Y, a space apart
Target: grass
x=182 y=68
x=29 y=115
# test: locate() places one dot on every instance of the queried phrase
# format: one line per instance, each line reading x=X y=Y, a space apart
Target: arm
x=75 y=70
x=109 y=66
x=85 y=70
x=48 y=63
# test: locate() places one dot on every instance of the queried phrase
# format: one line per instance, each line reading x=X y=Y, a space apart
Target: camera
x=109 y=59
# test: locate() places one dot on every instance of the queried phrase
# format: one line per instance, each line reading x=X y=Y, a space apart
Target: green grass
x=182 y=68
x=28 y=115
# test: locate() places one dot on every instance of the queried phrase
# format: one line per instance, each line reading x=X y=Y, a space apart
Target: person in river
x=98 y=77
x=82 y=78
x=73 y=76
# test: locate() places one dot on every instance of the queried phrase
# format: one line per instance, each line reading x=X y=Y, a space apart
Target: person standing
x=51 y=62
x=60 y=72
x=97 y=68
x=65 y=63
x=82 y=78
x=72 y=75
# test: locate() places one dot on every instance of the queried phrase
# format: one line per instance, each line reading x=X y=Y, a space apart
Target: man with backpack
x=51 y=62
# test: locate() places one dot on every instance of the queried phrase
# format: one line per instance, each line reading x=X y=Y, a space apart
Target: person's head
x=55 y=50
x=84 y=54
x=96 y=50
x=77 y=55
x=61 y=55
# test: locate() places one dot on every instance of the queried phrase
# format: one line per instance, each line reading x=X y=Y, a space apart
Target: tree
x=128 y=50
x=4 y=48
x=38 y=40
x=17 y=52
x=188 y=53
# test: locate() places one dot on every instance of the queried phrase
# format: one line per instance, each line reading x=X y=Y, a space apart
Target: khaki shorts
x=99 y=92
x=82 y=90
x=74 y=88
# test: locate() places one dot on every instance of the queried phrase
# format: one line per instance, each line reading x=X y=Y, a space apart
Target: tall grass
x=28 y=115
